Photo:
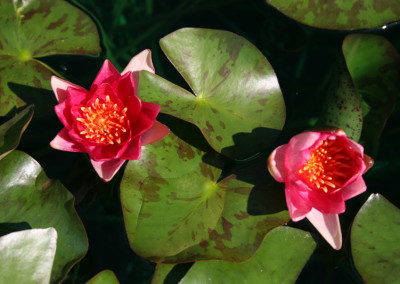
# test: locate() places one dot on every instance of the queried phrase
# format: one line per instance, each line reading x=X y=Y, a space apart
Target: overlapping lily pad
x=375 y=238
x=374 y=65
x=27 y=256
x=280 y=259
x=340 y=15
x=28 y=199
x=176 y=208
x=11 y=131
x=32 y=29
x=104 y=277
x=236 y=102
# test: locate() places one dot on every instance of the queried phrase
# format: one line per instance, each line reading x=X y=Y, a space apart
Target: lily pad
x=375 y=238
x=27 y=256
x=374 y=65
x=342 y=106
x=340 y=15
x=176 y=208
x=280 y=259
x=32 y=29
x=104 y=277
x=11 y=131
x=236 y=101
x=29 y=199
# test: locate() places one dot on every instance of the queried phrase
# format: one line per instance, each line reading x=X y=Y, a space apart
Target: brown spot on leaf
x=204 y=244
x=173 y=196
x=185 y=151
x=242 y=215
x=59 y=22
x=207 y=171
x=219 y=138
x=222 y=125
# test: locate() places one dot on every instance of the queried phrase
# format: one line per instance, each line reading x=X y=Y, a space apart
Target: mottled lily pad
x=11 y=131
x=340 y=14
x=375 y=238
x=27 y=256
x=28 y=199
x=104 y=277
x=32 y=29
x=176 y=208
x=280 y=259
x=374 y=65
x=236 y=101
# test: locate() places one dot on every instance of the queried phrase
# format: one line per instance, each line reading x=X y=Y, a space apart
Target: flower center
x=328 y=168
x=103 y=122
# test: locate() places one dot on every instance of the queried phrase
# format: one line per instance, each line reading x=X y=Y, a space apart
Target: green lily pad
x=28 y=199
x=375 y=238
x=342 y=14
x=280 y=259
x=342 y=106
x=236 y=101
x=104 y=277
x=11 y=131
x=374 y=65
x=33 y=29
x=176 y=208
x=27 y=256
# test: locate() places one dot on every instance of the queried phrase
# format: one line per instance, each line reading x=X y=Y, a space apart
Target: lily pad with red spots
x=32 y=29
x=236 y=101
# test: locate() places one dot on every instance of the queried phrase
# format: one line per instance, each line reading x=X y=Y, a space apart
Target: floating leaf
x=11 y=131
x=236 y=102
x=374 y=65
x=342 y=107
x=176 y=208
x=104 y=277
x=340 y=15
x=33 y=29
x=28 y=199
x=375 y=238
x=280 y=259
x=27 y=256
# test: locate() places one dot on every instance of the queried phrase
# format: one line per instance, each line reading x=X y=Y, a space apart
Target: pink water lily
x=109 y=122
x=320 y=169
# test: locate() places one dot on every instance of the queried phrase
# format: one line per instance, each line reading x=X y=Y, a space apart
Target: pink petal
x=328 y=225
x=296 y=203
x=155 y=133
x=276 y=165
x=369 y=162
x=355 y=188
x=327 y=203
x=141 y=61
x=60 y=87
x=141 y=125
x=359 y=149
x=151 y=110
x=133 y=151
x=107 y=169
x=63 y=142
x=107 y=74
x=125 y=87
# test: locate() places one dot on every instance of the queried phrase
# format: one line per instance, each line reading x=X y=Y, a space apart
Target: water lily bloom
x=109 y=122
x=320 y=169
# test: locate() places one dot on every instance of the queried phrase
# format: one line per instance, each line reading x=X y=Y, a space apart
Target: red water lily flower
x=320 y=169
x=109 y=122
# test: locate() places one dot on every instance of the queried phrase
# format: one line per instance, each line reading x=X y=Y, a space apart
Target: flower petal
x=355 y=188
x=141 y=61
x=151 y=110
x=107 y=74
x=133 y=151
x=276 y=165
x=107 y=169
x=327 y=203
x=60 y=87
x=328 y=225
x=296 y=203
x=64 y=142
x=155 y=133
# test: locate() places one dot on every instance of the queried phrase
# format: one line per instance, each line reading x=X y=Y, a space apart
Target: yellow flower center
x=103 y=122
x=328 y=167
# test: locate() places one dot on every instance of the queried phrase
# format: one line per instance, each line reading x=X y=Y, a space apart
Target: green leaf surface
x=375 y=238
x=32 y=29
x=27 y=256
x=11 y=131
x=28 y=199
x=342 y=106
x=236 y=102
x=104 y=277
x=176 y=208
x=280 y=259
x=340 y=14
x=374 y=65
